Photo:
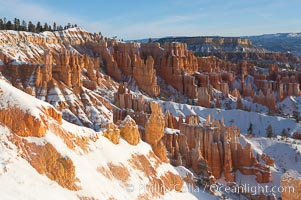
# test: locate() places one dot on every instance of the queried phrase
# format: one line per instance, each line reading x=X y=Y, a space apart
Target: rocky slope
x=77 y=162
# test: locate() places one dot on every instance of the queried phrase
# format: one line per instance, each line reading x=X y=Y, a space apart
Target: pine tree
x=54 y=26
x=16 y=24
x=250 y=129
x=1 y=24
x=46 y=27
x=9 y=25
x=38 y=27
x=31 y=27
x=284 y=133
x=23 y=26
x=269 y=131
x=4 y=23
x=296 y=115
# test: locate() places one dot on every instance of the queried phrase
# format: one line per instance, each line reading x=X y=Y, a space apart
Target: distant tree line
x=22 y=25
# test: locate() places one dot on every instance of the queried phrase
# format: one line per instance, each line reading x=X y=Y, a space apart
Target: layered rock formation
x=214 y=148
x=124 y=99
x=145 y=75
x=203 y=97
x=154 y=131
x=175 y=65
x=112 y=132
x=33 y=124
x=129 y=131
x=47 y=160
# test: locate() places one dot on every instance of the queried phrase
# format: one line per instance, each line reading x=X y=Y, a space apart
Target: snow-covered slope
x=240 y=118
x=12 y=97
x=290 y=105
x=285 y=152
x=101 y=169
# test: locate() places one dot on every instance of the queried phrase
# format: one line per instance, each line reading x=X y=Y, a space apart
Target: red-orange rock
x=268 y=160
x=47 y=160
x=154 y=131
x=112 y=132
x=171 y=121
x=203 y=97
x=214 y=148
x=145 y=75
x=267 y=100
x=175 y=62
x=29 y=126
x=129 y=130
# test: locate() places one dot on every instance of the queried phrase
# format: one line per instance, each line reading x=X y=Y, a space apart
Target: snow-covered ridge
x=27 y=47
x=294 y=35
x=10 y=35
x=11 y=97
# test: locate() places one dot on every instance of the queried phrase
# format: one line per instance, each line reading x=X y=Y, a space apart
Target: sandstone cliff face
x=214 y=148
x=124 y=99
x=153 y=49
x=291 y=184
x=145 y=75
x=47 y=160
x=112 y=132
x=124 y=59
x=44 y=73
x=60 y=81
x=154 y=131
x=267 y=100
x=129 y=131
x=297 y=135
x=29 y=126
x=33 y=124
x=203 y=97
x=175 y=62
x=68 y=69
